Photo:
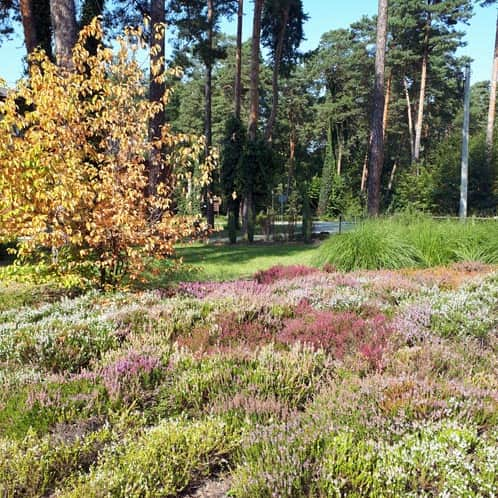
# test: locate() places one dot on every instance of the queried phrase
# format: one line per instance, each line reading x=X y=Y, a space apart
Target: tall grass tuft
x=411 y=241
x=373 y=245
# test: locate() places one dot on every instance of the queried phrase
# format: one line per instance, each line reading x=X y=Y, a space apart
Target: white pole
x=465 y=147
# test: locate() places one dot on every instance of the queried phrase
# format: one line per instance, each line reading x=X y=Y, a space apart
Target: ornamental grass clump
x=373 y=245
x=411 y=242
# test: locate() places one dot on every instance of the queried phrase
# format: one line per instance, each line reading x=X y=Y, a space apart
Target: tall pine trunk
x=421 y=99
x=65 y=30
x=252 y=129
x=254 y=78
x=377 y=143
x=157 y=172
x=238 y=61
x=387 y=102
x=492 y=103
x=208 y=120
x=28 y=24
x=276 y=71
x=37 y=25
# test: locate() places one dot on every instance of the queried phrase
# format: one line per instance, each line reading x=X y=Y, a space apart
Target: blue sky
x=324 y=15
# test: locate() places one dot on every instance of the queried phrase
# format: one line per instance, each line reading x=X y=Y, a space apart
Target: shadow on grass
x=240 y=253
x=203 y=262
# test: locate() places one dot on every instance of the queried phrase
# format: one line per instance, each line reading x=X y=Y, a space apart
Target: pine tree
x=376 y=152
x=282 y=33
x=65 y=30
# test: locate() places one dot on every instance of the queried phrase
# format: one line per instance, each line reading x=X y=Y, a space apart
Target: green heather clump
x=162 y=462
x=36 y=466
x=439 y=460
x=407 y=242
x=288 y=378
x=302 y=459
x=39 y=407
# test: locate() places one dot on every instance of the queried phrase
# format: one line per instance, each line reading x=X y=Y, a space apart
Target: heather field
x=297 y=382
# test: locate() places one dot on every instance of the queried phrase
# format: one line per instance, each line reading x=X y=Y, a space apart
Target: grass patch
x=229 y=262
x=410 y=242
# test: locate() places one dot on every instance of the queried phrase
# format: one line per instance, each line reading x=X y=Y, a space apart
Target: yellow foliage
x=74 y=164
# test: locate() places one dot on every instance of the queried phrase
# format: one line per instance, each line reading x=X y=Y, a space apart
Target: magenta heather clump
x=233 y=330
x=338 y=332
x=126 y=377
x=214 y=290
x=279 y=272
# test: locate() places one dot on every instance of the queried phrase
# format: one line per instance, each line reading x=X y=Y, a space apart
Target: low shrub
x=438 y=460
x=300 y=458
x=196 y=386
x=128 y=377
x=63 y=336
x=280 y=272
x=278 y=460
x=39 y=407
x=338 y=332
x=35 y=467
x=162 y=462
x=57 y=344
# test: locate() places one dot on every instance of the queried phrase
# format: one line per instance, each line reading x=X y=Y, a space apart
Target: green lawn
x=226 y=262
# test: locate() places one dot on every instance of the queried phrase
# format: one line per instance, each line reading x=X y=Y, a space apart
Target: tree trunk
x=28 y=24
x=391 y=178
x=276 y=70
x=65 y=30
x=492 y=103
x=37 y=25
x=292 y=158
x=339 y=155
x=254 y=85
x=410 y=120
x=377 y=143
x=156 y=171
x=248 y=214
x=364 y=171
x=238 y=61
x=387 y=101
x=421 y=99
x=208 y=111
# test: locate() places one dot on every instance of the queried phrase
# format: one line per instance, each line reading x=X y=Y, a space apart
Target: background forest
x=293 y=128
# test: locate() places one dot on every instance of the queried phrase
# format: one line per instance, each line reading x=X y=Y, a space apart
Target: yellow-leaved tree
x=75 y=160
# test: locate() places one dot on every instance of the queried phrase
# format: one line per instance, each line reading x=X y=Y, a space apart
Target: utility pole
x=465 y=147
